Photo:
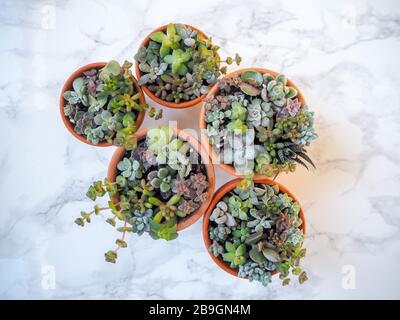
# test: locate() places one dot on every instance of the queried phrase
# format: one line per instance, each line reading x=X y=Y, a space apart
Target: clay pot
x=68 y=86
x=221 y=192
x=192 y=218
x=181 y=105
x=203 y=125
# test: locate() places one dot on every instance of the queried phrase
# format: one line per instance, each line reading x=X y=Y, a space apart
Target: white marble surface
x=344 y=57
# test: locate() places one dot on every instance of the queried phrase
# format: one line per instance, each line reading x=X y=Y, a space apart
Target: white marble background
x=345 y=58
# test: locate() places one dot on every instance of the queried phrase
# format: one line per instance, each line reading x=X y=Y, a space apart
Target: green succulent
x=130 y=169
x=299 y=129
x=169 y=40
x=161 y=179
x=103 y=105
x=179 y=64
x=219 y=233
x=216 y=118
x=268 y=239
x=141 y=221
x=166 y=230
x=217 y=249
x=152 y=70
x=168 y=209
x=238 y=208
x=241 y=233
x=260 y=114
x=252 y=77
x=78 y=94
x=178 y=60
x=237 y=126
x=236 y=255
x=260 y=222
x=277 y=91
x=252 y=271
x=238 y=111
x=107 y=121
x=94 y=135
x=158 y=137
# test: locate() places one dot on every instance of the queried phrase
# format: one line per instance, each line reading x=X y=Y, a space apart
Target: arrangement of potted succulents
x=257 y=121
x=102 y=104
x=162 y=186
x=256 y=229
x=176 y=64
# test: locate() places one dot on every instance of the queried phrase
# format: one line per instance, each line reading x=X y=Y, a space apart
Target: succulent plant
x=161 y=179
x=241 y=233
x=152 y=197
x=168 y=209
x=236 y=255
x=187 y=207
x=94 y=135
x=265 y=234
x=277 y=89
x=219 y=232
x=179 y=64
x=141 y=221
x=217 y=249
x=130 y=169
x=238 y=208
x=259 y=222
x=299 y=129
x=221 y=216
x=265 y=105
x=252 y=271
x=103 y=105
x=152 y=70
x=199 y=181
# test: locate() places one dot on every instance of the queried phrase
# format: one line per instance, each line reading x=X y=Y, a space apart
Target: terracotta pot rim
x=202 y=123
x=219 y=194
x=68 y=86
x=192 y=218
x=181 y=105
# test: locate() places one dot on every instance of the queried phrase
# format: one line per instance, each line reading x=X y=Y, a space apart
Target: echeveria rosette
x=257 y=230
x=257 y=123
x=179 y=64
x=156 y=186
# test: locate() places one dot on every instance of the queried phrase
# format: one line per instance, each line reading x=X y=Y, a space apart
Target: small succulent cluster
x=103 y=105
x=179 y=64
x=256 y=229
x=158 y=183
x=257 y=124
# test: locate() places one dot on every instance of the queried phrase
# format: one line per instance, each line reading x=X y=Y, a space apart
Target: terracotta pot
x=181 y=105
x=68 y=86
x=192 y=218
x=221 y=192
x=203 y=125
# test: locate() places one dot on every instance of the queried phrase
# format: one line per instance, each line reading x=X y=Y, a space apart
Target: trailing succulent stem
x=156 y=184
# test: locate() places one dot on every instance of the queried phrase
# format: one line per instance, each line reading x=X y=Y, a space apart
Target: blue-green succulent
x=257 y=229
x=266 y=112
